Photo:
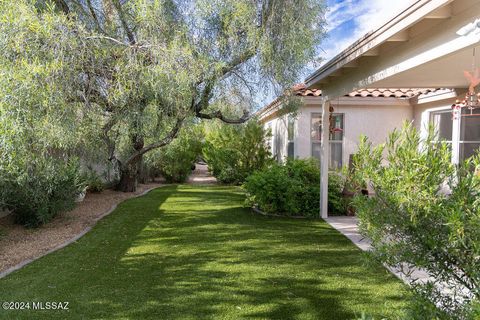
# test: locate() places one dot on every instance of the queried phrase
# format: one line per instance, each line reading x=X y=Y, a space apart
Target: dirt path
x=201 y=175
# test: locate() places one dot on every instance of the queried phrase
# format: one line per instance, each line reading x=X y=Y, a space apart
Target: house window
x=316 y=134
x=467 y=142
x=291 y=137
x=469 y=133
x=336 y=139
x=442 y=121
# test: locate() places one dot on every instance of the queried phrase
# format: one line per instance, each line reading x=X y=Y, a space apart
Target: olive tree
x=144 y=67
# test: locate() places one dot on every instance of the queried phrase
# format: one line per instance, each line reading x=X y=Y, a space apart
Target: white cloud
x=341 y=12
x=366 y=15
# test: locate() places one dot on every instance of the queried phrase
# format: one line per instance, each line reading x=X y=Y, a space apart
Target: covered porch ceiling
x=444 y=72
x=429 y=45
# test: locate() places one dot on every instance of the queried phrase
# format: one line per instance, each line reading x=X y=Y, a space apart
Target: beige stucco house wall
x=372 y=116
x=368 y=117
x=441 y=100
x=428 y=45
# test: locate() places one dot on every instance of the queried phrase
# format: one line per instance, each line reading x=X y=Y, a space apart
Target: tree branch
x=242 y=58
x=94 y=15
x=62 y=6
x=109 y=38
x=108 y=141
x=123 y=20
x=205 y=102
x=166 y=140
x=219 y=115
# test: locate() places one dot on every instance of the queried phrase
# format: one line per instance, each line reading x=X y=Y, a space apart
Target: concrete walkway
x=201 y=175
x=348 y=226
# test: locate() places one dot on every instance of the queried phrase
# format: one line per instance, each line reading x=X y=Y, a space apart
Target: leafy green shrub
x=337 y=203
x=175 y=161
x=93 y=181
x=413 y=222
x=235 y=151
x=290 y=189
x=294 y=189
x=37 y=193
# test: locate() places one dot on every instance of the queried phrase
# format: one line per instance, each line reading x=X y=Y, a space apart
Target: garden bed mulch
x=19 y=245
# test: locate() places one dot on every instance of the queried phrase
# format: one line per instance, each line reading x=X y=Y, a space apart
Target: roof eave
x=373 y=39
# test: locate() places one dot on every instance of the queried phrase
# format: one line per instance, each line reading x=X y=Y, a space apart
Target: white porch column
x=456 y=139
x=324 y=159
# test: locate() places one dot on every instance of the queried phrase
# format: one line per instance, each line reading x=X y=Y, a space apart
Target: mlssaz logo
x=50 y=305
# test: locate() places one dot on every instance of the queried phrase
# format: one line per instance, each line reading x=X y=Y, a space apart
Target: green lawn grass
x=193 y=252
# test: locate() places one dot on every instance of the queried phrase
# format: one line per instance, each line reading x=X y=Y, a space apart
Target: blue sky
x=348 y=20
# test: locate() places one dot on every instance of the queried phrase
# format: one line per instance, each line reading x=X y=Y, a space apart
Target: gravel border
x=77 y=236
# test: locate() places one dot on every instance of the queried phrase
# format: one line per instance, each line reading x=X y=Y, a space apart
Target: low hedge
x=290 y=189
x=293 y=189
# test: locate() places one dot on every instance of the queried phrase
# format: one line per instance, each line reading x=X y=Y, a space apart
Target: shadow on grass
x=193 y=252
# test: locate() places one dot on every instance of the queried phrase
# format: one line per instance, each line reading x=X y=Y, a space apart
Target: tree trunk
x=128 y=178
x=142 y=172
x=129 y=171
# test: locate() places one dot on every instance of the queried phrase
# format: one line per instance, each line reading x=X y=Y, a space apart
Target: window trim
x=312 y=141
x=463 y=142
x=342 y=142
x=430 y=121
x=293 y=121
x=455 y=141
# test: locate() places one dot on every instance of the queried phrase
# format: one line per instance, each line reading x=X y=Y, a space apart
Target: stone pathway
x=201 y=175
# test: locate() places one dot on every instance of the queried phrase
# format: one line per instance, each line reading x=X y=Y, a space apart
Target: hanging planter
x=333 y=128
x=472 y=99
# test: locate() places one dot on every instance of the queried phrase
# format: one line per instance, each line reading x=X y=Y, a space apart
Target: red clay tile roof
x=391 y=92
x=399 y=93
x=301 y=90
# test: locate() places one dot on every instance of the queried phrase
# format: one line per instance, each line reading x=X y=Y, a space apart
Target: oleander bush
x=414 y=220
x=233 y=152
x=39 y=189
